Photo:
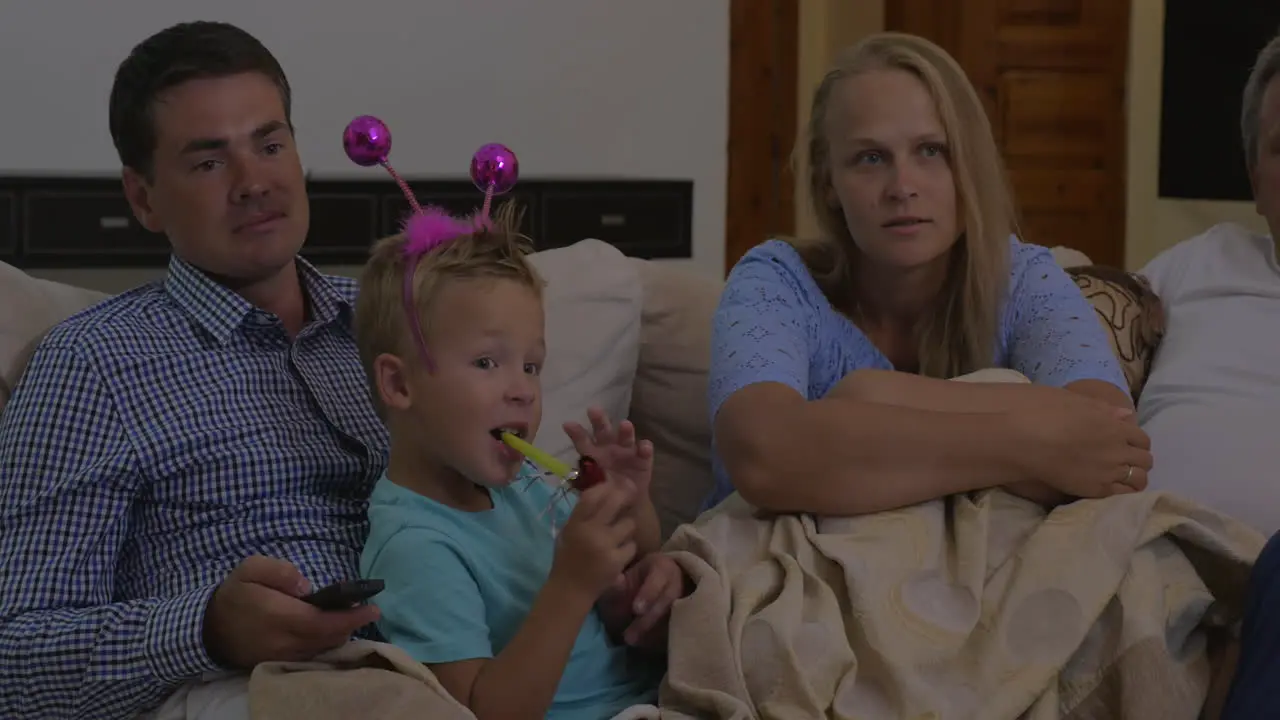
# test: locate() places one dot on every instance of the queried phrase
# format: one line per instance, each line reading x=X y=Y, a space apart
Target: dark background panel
x=1209 y=49
x=8 y=222
x=86 y=221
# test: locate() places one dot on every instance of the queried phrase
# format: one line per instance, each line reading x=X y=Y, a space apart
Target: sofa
x=629 y=335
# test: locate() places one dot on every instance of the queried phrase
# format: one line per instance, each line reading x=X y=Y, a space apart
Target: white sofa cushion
x=1068 y=258
x=593 y=302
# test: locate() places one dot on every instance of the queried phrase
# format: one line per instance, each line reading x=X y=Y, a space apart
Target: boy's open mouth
x=513 y=429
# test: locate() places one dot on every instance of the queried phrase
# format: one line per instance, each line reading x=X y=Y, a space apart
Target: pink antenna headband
x=494 y=170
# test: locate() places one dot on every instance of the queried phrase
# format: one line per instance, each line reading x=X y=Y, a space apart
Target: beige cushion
x=669 y=400
x=28 y=308
x=592 y=300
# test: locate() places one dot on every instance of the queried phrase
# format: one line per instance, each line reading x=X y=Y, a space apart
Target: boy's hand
x=598 y=541
x=641 y=601
x=616 y=451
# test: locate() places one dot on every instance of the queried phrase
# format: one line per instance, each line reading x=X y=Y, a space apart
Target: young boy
x=505 y=612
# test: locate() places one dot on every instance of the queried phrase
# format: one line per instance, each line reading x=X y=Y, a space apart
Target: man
x=181 y=462
x=1211 y=402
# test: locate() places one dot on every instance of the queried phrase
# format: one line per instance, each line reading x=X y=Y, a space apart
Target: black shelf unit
x=85 y=222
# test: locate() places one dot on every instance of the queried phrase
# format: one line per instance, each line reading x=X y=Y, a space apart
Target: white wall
x=578 y=88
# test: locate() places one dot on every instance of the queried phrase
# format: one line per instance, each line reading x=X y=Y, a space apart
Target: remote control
x=344 y=595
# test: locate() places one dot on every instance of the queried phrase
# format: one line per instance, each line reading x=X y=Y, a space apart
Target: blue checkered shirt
x=155 y=441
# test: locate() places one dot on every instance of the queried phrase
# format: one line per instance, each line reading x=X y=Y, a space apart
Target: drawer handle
x=113 y=222
x=614 y=220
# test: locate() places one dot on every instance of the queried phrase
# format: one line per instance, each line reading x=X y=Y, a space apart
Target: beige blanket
x=970 y=607
x=366 y=681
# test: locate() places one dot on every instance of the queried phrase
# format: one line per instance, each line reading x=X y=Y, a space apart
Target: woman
x=830 y=357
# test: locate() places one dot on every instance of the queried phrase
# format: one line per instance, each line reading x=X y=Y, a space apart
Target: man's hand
x=256 y=616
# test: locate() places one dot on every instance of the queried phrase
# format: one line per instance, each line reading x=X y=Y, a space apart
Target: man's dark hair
x=183 y=52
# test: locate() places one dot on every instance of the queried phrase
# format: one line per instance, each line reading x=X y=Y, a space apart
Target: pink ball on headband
x=367 y=141
x=494 y=168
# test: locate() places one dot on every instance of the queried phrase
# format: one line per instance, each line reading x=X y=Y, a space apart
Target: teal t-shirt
x=460 y=584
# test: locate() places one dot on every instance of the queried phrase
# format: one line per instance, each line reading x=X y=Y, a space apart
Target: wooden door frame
x=763 y=64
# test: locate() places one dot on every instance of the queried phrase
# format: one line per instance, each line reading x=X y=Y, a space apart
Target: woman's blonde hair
x=960 y=335
x=381 y=323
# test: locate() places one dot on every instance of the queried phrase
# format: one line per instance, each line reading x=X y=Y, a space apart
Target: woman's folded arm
x=842 y=455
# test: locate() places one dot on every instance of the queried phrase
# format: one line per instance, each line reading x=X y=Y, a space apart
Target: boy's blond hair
x=381 y=325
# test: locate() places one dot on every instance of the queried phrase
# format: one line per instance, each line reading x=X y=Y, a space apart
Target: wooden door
x=760 y=189
x=1052 y=76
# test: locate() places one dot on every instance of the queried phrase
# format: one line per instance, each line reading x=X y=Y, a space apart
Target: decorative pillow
x=1131 y=313
x=592 y=300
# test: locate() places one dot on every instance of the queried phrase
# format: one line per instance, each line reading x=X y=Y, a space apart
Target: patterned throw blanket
x=976 y=606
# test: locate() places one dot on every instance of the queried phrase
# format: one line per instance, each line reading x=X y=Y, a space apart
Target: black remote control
x=344 y=595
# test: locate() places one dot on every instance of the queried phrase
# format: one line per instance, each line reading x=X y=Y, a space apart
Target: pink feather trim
x=432 y=227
